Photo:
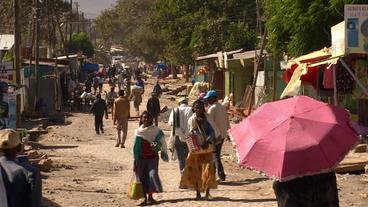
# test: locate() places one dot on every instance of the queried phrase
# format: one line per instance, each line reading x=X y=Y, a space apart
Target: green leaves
x=81 y=42
x=179 y=30
x=298 y=26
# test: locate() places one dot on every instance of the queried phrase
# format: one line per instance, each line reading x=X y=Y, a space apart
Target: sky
x=92 y=8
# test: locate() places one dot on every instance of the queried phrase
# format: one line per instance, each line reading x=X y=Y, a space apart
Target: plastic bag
x=135 y=188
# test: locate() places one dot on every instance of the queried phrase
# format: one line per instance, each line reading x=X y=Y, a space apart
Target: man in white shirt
x=180 y=130
x=218 y=113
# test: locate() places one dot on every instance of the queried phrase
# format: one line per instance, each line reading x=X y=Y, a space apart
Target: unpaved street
x=90 y=171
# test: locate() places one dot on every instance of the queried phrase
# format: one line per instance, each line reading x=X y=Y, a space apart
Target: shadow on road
x=243 y=182
x=177 y=200
x=245 y=200
x=48 y=203
x=257 y=200
x=41 y=146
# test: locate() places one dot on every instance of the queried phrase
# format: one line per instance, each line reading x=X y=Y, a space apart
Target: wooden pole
x=364 y=89
x=274 y=82
x=335 y=85
x=255 y=75
x=71 y=20
x=37 y=48
x=77 y=6
x=17 y=43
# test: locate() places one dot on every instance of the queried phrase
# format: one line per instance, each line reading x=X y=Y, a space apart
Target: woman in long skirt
x=149 y=140
x=200 y=172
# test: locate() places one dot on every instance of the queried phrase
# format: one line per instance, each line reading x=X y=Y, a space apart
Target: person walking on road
x=16 y=179
x=136 y=97
x=95 y=84
x=120 y=115
x=149 y=141
x=157 y=89
x=140 y=82
x=218 y=114
x=110 y=98
x=199 y=171
x=153 y=106
x=98 y=109
x=178 y=120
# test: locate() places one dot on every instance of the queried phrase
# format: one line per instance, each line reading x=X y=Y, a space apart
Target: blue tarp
x=88 y=68
x=160 y=67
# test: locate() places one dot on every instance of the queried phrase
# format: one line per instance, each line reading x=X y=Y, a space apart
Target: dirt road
x=90 y=171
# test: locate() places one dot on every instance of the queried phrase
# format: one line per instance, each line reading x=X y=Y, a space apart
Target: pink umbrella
x=294 y=137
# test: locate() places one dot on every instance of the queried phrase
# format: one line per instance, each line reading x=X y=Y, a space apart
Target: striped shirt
x=147 y=150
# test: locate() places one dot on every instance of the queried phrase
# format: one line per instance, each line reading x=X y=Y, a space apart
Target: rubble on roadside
x=39 y=160
x=355 y=161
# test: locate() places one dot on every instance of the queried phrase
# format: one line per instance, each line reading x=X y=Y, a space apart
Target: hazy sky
x=92 y=8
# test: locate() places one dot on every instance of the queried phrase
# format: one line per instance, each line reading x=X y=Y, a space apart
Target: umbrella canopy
x=294 y=137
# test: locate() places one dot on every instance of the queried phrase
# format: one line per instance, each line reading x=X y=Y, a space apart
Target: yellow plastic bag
x=135 y=188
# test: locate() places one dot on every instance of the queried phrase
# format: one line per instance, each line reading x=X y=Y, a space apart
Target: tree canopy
x=178 y=30
x=81 y=42
x=299 y=26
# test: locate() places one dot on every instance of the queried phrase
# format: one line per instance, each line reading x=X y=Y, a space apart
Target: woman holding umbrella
x=300 y=146
x=199 y=172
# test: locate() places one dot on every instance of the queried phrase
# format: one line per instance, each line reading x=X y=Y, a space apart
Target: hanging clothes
x=328 y=80
x=321 y=90
x=344 y=81
x=361 y=71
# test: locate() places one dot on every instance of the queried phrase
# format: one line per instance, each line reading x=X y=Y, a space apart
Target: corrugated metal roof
x=248 y=54
x=6 y=41
x=47 y=64
x=216 y=55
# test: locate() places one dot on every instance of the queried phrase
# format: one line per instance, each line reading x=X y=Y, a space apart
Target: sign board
x=338 y=39
x=6 y=72
x=356 y=24
x=8 y=115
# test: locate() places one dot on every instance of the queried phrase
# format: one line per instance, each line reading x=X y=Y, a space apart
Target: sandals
x=151 y=201
x=143 y=203
x=198 y=196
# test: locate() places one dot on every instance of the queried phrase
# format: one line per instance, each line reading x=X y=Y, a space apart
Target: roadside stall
x=336 y=75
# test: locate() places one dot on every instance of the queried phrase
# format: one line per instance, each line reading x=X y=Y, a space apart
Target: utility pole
x=274 y=82
x=71 y=20
x=37 y=48
x=77 y=6
x=17 y=42
x=259 y=21
x=259 y=59
x=83 y=25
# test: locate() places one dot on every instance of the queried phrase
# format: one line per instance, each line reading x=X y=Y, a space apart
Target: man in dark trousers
x=16 y=178
x=153 y=106
x=98 y=109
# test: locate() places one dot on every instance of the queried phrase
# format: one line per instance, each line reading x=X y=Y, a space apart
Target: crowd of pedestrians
x=198 y=170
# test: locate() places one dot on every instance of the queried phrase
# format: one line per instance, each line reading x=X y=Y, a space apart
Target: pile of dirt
x=39 y=160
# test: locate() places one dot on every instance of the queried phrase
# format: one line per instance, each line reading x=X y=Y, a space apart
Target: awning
x=331 y=61
x=292 y=88
x=310 y=57
x=216 y=55
x=52 y=64
x=313 y=61
x=248 y=54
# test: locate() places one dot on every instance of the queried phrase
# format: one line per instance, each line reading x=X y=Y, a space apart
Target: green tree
x=81 y=42
x=178 y=30
x=197 y=27
x=298 y=26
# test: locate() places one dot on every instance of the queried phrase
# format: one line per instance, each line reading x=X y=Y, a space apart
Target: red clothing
x=147 y=151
